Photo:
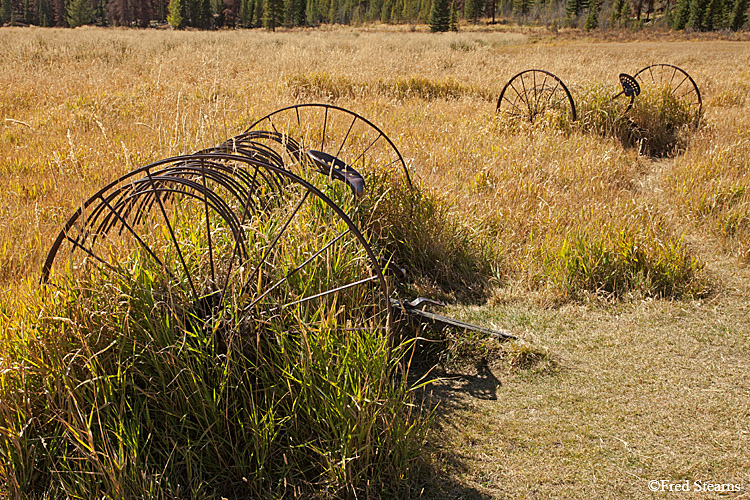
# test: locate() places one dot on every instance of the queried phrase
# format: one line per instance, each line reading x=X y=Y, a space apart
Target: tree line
x=441 y=15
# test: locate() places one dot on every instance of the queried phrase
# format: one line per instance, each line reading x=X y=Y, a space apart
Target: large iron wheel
x=330 y=140
x=673 y=80
x=532 y=93
x=229 y=237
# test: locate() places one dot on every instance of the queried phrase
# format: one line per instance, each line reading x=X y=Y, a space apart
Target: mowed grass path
x=640 y=388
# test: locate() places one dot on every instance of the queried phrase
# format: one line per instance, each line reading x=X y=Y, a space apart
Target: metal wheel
x=330 y=140
x=534 y=92
x=228 y=237
x=674 y=80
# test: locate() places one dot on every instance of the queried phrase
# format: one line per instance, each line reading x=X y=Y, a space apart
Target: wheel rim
x=532 y=93
x=338 y=132
x=231 y=237
x=676 y=81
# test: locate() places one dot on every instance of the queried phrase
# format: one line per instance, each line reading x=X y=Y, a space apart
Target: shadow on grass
x=451 y=393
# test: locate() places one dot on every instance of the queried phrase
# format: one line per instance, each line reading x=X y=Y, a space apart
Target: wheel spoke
x=275 y=240
x=329 y=292
x=294 y=271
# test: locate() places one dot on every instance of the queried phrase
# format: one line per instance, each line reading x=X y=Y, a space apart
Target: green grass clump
x=332 y=87
x=107 y=391
x=323 y=86
x=428 y=89
x=658 y=124
x=422 y=233
x=615 y=259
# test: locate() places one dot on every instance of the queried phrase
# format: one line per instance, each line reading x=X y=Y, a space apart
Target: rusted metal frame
x=327 y=109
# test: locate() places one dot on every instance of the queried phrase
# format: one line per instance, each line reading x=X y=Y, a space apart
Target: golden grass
x=80 y=107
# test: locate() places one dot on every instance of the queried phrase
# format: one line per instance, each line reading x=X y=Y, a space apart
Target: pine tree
x=440 y=16
x=273 y=14
x=80 y=12
x=521 y=8
x=472 y=10
x=174 y=18
x=712 y=17
x=574 y=7
x=6 y=12
x=454 y=17
x=592 y=19
x=697 y=13
x=739 y=15
x=258 y=14
x=681 y=16
x=616 y=12
x=333 y=12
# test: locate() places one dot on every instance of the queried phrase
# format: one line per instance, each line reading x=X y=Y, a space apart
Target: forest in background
x=442 y=15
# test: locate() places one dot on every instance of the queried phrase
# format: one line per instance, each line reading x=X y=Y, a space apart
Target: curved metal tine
x=296 y=269
x=236 y=245
x=208 y=226
x=137 y=237
x=213 y=200
x=174 y=239
x=272 y=181
x=256 y=270
x=90 y=252
x=222 y=176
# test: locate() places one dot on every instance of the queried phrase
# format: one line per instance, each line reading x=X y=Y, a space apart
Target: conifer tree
x=472 y=10
x=174 y=17
x=712 y=17
x=697 y=14
x=616 y=12
x=592 y=19
x=440 y=16
x=333 y=12
x=273 y=14
x=521 y=7
x=454 y=17
x=80 y=13
x=681 y=16
x=739 y=15
x=6 y=12
x=258 y=14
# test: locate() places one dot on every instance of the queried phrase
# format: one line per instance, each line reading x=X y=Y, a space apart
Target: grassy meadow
x=625 y=275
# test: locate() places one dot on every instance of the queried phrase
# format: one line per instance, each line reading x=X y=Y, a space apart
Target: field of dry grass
x=634 y=382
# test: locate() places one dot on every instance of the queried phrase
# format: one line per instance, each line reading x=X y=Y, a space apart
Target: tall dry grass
x=567 y=211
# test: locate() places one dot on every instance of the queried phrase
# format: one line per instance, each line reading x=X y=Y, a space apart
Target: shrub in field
x=422 y=233
x=107 y=390
x=614 y=258
x=658 y=124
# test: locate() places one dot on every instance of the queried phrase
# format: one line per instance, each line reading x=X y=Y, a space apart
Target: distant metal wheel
x=672 y=79
x=534 y=92
x=331 y=139
x=228 y=237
